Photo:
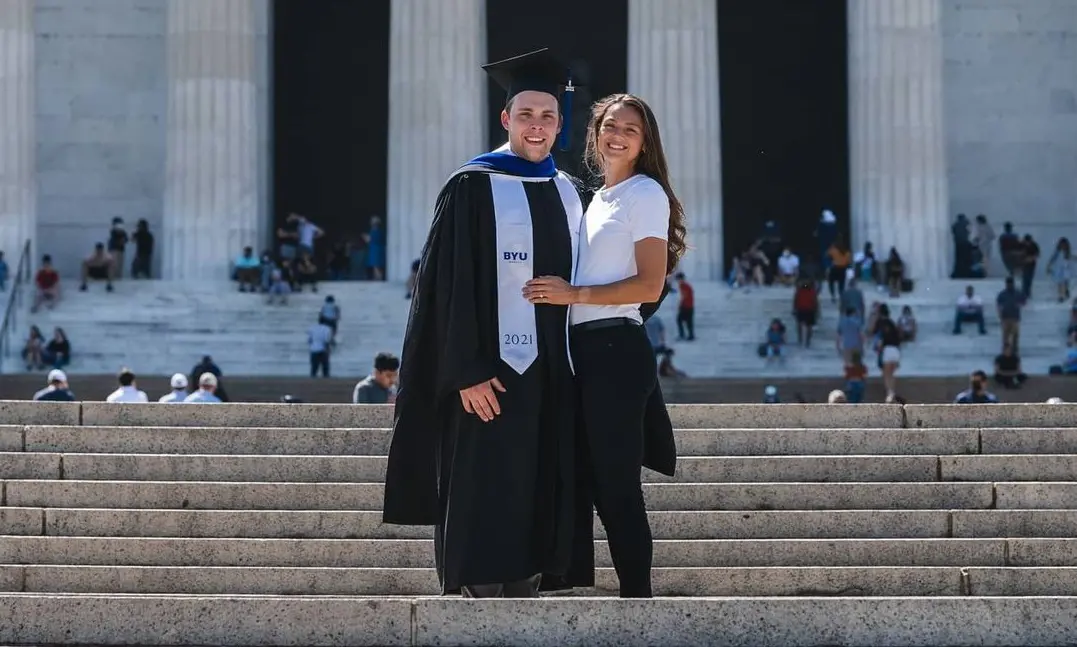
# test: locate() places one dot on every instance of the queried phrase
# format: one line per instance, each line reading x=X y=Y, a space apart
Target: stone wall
x=101 y=108
x=1010 y=91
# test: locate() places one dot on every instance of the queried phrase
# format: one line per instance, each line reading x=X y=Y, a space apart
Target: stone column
x=211 y=177
x=437 y=112
x=897 y=149
x=17 y=129
x=673 y=66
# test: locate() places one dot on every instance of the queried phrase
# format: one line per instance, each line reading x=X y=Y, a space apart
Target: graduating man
x=483 y=438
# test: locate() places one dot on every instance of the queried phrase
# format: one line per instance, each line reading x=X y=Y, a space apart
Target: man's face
x=385 y=378
x=533 y=122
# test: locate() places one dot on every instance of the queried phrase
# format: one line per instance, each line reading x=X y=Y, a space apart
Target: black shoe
x=108 y=288
x=82 y=288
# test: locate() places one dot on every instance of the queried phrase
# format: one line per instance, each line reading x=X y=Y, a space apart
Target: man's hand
x=481 y=399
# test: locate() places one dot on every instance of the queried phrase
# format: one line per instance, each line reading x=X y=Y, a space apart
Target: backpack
x=805 y=300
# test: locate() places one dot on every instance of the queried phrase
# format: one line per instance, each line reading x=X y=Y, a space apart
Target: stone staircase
x=161 y=327
x=786 y=525
x=158 y=328
x=730 y=325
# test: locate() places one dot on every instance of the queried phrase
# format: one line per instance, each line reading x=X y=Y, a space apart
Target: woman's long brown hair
x=651 y=162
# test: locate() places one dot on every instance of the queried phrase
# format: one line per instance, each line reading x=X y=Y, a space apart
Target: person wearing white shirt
x=632 y=237
x=788 y=267
x=128 y=391
x=207 y=385
x=179 y=390
x=970 y=308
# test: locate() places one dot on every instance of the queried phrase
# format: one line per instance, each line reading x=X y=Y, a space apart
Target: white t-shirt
x=127 y=394
x=788 y=264
x=965 y=303
x=618 y=218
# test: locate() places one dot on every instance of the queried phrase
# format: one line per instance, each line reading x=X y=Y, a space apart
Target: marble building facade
x=160 y=109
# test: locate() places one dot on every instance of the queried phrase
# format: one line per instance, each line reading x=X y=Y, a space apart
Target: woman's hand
x=550 y=290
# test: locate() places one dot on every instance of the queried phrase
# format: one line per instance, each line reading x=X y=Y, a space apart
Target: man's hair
x=979 y=375
x=127 y=378
x=99 y=246
x=46 y=258
x=1009 y=281
x=679 y=276
x=386 y=362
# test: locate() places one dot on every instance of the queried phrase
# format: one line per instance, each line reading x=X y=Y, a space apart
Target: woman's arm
x=648 y=222
x=645 y=287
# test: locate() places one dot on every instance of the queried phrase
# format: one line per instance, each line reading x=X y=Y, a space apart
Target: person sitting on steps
x=100 y=266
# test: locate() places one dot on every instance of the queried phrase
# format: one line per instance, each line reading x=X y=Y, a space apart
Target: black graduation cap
x=538 y=71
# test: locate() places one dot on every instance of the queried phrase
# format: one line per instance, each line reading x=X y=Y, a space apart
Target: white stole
x=516 y=322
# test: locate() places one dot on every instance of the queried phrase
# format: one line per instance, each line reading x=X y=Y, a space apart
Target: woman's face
x=57 y=335
x=620 y=135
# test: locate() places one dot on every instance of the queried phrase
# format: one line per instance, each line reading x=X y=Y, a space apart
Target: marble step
x=668 y=581
x=683 y=416
x=659 y=496
x=361 y=621
x=350 y=524
x=692 y=469
x=690 y=442
x=418 y=553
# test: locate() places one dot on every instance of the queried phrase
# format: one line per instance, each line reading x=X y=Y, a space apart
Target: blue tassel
x=566 y=112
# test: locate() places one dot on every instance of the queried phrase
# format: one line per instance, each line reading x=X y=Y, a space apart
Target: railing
x=17 y=280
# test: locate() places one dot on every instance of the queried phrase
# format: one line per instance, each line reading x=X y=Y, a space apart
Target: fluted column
x=211 y=183
x=437 y=112
x=897 y=150
x=673 y=66
x=17 y=192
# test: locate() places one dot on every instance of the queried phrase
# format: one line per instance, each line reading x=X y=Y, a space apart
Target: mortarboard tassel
x=566 y=111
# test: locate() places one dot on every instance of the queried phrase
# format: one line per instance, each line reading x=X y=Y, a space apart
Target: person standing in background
x=686 y=310
x=984 y=238
x=141 y=267
x=207 y=386
x=308 y=232
x=128 y=391
x=57 y=390
x=117 y=247
x=380 y=386
x=375 y=252
x=1030 y=257
x=179 y=390
x=319 y=338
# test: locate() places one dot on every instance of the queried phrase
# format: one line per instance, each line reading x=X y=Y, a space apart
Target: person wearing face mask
x=483 y=438
x=977 y=392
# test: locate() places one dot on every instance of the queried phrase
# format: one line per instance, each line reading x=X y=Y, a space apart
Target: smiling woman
x=632 y=236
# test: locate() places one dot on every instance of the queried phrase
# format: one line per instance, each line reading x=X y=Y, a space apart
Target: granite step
x=418 y=553
x=771 y=524
x=692 y=469
x=690 y=442
x=768 y=581
x=349 y=469
x=207 y=495
x=674 y=582
x=355 y=621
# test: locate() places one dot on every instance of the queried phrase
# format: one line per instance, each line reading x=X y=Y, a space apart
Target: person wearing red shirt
x=47 y=281
x=686 y=311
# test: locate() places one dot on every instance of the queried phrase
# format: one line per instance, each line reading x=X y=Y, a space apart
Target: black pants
x=1028 y=273
x=615 y=374
x=686 y=323
x=836 y=277
x=319 y=360
x=140 y=267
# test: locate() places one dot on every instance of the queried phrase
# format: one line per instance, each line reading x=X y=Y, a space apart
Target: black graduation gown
x=499 y=493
